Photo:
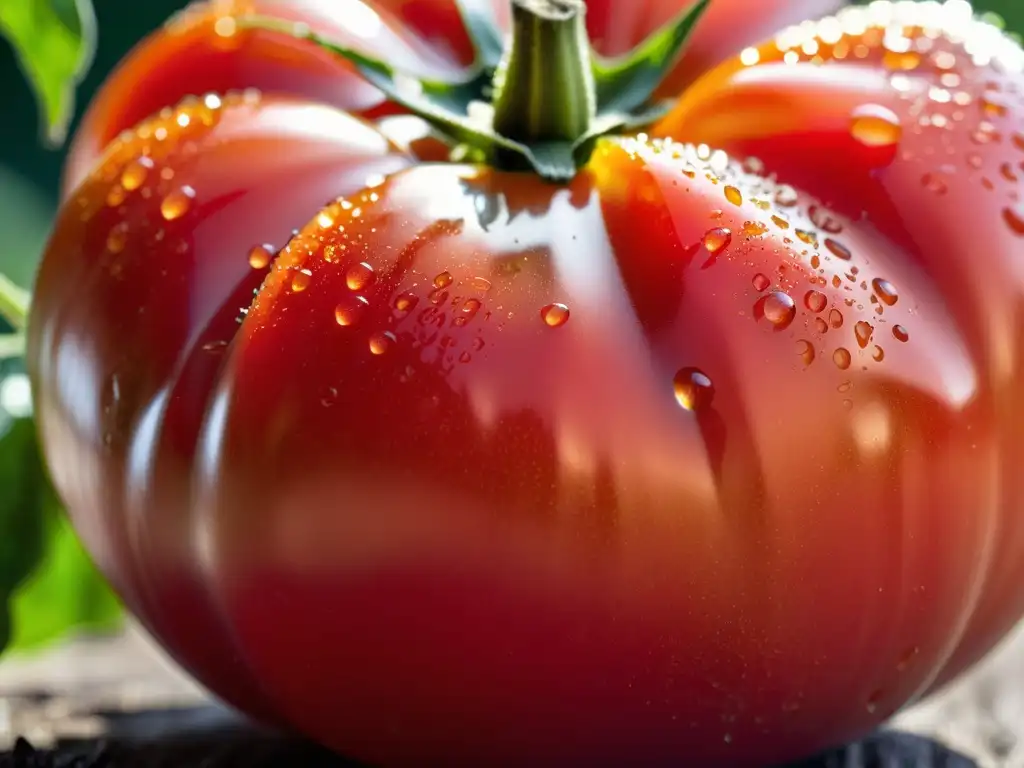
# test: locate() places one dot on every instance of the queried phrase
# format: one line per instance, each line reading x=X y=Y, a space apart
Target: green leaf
x=65 y=593
x=54 y=41
x=482 y=28
x=23 y=501
x=628 y=82
x=48 y=584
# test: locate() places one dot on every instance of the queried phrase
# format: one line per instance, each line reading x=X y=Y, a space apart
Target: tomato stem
x=544 y=87
x=14 y=303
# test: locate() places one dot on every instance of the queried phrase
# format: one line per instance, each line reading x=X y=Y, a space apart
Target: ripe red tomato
x=673 y=460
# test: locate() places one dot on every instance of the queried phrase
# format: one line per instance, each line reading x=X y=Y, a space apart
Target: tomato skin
x=129 y=322
x=497 y=534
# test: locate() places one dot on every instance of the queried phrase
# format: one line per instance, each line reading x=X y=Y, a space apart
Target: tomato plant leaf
x=483 y=31
x=22 y=504
x=54 y=42
x=627 y=82
x=48 y=584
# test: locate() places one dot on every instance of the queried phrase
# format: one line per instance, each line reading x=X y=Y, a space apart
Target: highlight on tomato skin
x=710 y=452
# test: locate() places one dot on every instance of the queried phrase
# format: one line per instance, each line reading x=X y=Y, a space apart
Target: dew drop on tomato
x=301 y=280
x=835 y=318
x=820 y=325
x=878 y=354
x=805 y=349
x=349 y=311
x=885 y=291
x=117 y=238
x=842 y=358
x=381 y=342
x=177 y=203
x=693 y=389
x=359 y=276
x=733 y=195
x=837 y=249
x=761 y=282
x=136 y=173
x=875 y=126
x=717 y=240
x=778 y=308
x=482 y=284
x=1014 y=220
x=863 y=331
x=405 y=302
x=815 y=301
x=443 y=280
x=935 y=183
x=116 y=196
x=900 y=333
x=555 y=315
x=260 y=255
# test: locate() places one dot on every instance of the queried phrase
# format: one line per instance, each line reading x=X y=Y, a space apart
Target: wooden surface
x=125 y=687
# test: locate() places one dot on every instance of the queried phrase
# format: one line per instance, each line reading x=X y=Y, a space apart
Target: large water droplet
x=406 y=302
x=842 y=358
x=135 y=173
x=350 y=309
x=260 y=256
x=177 y=203
x=900 y=333
x=835 y=318
x=359 y=276
x=693 y=389
x=875 y=126
x=443 y=280
x=838 y=250
x=777 y=308
x=381 y=342
x=761 y=282
x=816 y=301
x=734 y=196
x=805 y=349
x=885 y=291
x=301 y=280
x=717 y=240
x=863 y=332
x=555 y=315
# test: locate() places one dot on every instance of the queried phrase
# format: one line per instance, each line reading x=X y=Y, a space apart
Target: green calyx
x=538 y=103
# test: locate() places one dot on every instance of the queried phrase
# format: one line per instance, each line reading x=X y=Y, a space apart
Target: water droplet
x=863 y=331
x=986 y=133
x=842 y=358
x=835 y=318
x=777 y=308
x=734 y=196
x=135 y=173
x=885 y=291
x=878 y=354
x=478 y=344
x=875 y=126
x=482 y=284
x=117 y=238
x=555 y=315
x=177 y=203
x=717 y=240
x=754 y=228
x=761 y=282
x=693 y=389
x=116 y=196
x=838 y=250
x=381 y=342
x=786 y=196
x=901 y=61
x=260 y=256
x=820 y=325
x=1014 y=220
x=934 y=182
x=900 y=333
x=816 y=301
x=349 y=311
x=301 y=280
x=822 y=218
x=805 y=349
x=406 y=302
x=359 y=276
x=443 y=280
